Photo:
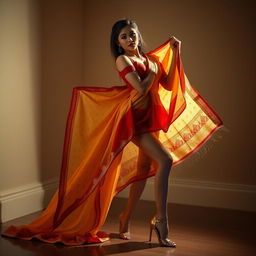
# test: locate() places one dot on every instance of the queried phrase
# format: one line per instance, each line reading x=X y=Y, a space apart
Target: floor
x=196 y=230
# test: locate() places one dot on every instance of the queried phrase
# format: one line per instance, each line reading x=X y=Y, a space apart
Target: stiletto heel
x=166 y=242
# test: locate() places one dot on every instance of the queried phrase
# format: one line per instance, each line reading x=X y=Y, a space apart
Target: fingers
x=173 y=38
x=174 y=41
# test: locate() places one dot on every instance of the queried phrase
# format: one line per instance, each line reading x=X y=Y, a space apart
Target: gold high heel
x=123 y=235
x=166 y=242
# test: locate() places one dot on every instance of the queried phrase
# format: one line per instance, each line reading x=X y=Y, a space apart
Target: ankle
x=125 y=215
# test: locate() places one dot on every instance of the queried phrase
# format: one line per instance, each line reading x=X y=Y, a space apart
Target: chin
x=133 y=47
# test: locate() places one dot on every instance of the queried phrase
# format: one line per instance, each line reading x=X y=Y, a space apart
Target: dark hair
x=117 y=27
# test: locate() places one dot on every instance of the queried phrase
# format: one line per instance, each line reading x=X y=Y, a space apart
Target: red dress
x=151 y=117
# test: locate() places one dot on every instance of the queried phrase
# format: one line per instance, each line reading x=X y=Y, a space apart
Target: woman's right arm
x=142 y=86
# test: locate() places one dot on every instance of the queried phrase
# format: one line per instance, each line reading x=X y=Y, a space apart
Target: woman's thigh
x=152 y=148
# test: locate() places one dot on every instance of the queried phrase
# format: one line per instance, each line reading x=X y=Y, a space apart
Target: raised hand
x=175 y=43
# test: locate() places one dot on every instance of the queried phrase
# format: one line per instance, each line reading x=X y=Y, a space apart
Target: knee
x=167 y=161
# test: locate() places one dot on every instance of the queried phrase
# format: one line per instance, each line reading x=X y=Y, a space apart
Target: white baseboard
x=208 y=194
x=35 y=197
x=25 y=200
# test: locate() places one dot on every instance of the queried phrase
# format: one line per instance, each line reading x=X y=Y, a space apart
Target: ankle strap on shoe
x=163 y=220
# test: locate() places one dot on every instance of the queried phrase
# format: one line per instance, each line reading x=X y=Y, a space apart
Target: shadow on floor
x=36 y=247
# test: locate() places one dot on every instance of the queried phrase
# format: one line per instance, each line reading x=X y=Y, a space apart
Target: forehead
x=126 y=30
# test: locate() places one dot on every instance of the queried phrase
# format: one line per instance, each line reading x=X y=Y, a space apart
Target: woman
x=126 y=45
x=123 y=135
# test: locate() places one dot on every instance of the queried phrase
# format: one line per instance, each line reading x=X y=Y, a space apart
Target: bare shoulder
x=122 y=62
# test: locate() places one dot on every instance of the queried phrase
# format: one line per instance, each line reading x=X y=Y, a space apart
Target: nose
x=130 y=40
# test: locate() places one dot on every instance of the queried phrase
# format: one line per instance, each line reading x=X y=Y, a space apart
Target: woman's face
x=128 y=39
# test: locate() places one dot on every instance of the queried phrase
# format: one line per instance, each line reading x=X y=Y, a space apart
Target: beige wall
x=218 y=57
x=49 y=47
x=63 y=68
x=20 y=93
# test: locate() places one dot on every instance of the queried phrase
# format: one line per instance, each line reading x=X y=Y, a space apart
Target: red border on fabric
x=152 y=173
x=208 y=106
x=183 y=82
x=59 y=219
x=68 y=132
x=100 y=89
x=66 y=148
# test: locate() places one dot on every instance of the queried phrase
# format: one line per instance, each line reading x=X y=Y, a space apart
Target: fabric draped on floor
x=99 y=159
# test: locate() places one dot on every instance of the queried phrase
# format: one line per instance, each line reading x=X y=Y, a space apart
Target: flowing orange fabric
x=99 y=159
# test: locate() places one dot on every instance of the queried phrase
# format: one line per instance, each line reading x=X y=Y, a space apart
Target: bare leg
x=154 y=149
x=135 y=192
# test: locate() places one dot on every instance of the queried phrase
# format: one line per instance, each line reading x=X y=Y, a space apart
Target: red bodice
x=142 y=70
